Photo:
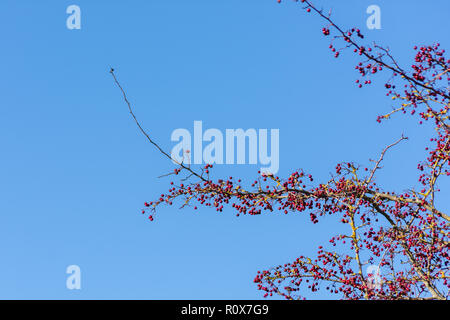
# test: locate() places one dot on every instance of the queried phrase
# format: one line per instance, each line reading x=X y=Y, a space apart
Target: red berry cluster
x=403 y=233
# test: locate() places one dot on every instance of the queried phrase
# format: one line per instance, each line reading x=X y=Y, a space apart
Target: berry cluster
x=404 y=234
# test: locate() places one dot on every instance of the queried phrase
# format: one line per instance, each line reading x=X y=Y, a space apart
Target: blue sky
x=75 y=171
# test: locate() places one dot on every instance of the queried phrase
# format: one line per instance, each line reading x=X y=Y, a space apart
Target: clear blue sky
x=74 y=170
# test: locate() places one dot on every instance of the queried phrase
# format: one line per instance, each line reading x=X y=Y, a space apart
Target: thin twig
x=130 y=109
